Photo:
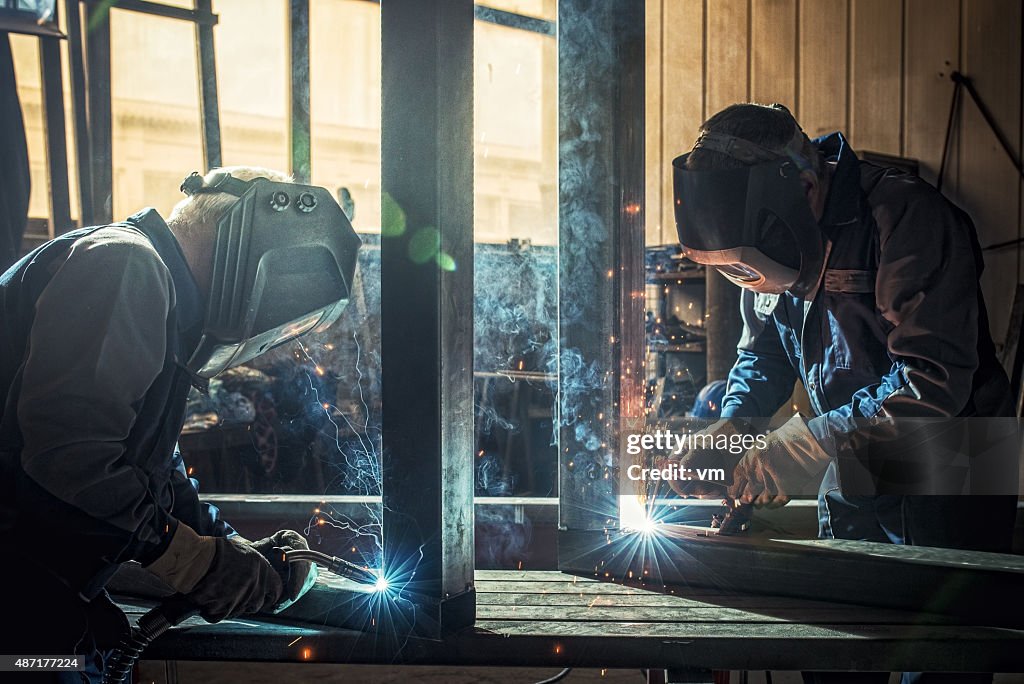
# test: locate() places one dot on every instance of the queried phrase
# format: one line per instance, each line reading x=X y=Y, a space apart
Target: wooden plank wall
x=876 y=69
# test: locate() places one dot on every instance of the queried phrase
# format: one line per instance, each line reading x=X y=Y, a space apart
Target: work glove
x=792 y=462
x=299 y=577
x=240 y=581
x=699 y=459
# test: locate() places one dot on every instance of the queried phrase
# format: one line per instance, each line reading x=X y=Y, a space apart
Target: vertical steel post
x=601 y=243
x=97 y=58
x=209 y=105
x=79 y=109
x=298 y=80
x=427 y=302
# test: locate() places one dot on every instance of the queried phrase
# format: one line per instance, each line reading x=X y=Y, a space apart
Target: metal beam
x=199 y=15
x=298 y=103
x=209 y=107
x=55 y=135
x=601 y=242
x=427 y=301
x=97 y=60
x=79 y=110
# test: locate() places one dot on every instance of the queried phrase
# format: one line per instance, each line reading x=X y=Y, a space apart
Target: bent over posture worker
x=102 y=333
x=861 y=282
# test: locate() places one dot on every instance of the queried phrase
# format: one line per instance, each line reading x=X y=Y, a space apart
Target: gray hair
x=201 y=212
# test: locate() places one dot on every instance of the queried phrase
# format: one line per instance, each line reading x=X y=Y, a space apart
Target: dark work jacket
x=80 y=550
x=898 y=328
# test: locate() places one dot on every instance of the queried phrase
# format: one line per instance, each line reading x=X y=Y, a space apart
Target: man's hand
x=240 y=581
x=703 y=459
x=300 y=576
x=791 y=463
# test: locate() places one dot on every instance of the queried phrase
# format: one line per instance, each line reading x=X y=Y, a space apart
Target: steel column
x=209 y=108
x=298 y=80
x=427 y=302
x=97 y=59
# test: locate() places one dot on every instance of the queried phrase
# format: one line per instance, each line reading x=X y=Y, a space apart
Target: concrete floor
x=288 y=673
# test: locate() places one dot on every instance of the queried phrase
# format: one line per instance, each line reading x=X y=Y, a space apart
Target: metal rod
x=209 y=107
x=97 y=57
x=79 y=111
x=198 y=15
x=298 y=109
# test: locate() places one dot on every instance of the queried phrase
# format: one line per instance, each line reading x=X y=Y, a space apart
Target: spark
x=297 y=639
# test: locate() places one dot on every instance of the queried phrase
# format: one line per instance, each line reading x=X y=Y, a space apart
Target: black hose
x=151 y=625
x=557 y=678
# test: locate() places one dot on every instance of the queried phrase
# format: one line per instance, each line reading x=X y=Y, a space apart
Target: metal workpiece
x=943 y=584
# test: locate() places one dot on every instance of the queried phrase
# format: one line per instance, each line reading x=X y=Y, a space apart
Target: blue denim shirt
x=897 y=327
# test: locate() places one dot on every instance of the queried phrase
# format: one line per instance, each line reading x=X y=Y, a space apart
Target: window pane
x=155 y=108
x=252 y=82
x=515 y=309
x=345 y=102
x=25 y=50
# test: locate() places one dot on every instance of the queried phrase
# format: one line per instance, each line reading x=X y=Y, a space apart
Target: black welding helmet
x=752 y=223
x=284 y=257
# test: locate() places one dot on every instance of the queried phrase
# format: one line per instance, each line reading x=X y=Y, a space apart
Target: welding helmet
x=284 y=257
x=752 y=223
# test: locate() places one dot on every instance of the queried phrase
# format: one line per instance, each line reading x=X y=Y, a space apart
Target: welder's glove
x=185 y=560
x=700 y=459
x=791 y=463
x=240 y=581
x=299 y=577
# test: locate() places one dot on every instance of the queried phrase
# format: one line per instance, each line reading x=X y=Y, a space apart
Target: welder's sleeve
x=201 y=516
x=96 y=345
x=762 y=377
x=927 y=290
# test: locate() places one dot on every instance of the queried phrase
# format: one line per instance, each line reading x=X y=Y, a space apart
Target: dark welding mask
x=753 y=223
x=283 y=261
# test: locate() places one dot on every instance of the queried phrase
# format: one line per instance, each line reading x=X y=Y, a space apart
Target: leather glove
x=240 y=581
x=700 y=459
x=791 y=463
x=300 y=576
x=185 y=561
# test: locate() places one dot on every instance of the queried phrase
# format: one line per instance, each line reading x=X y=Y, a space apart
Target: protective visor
x=283 y=264
x=752 y=223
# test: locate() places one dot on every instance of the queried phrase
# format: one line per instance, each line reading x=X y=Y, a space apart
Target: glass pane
x=25 y=50
x=252 y=82
x=516 y=286
x=345 y=64
x=155 y=110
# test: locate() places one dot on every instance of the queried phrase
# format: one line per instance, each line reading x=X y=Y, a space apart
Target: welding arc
x=338 y=566
x=557 y=678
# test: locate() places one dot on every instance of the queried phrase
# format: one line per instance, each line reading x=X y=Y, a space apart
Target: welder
x=859 y=281
x=103 y=331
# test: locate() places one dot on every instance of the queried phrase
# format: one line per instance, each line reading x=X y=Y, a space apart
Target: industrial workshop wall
x=879 y=70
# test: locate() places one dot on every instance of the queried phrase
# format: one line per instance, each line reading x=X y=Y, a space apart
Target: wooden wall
x=876 y=69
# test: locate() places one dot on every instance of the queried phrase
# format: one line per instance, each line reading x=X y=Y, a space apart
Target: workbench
x=546 y=618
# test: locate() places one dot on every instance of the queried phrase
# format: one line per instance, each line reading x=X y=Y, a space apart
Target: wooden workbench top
x=554 y=619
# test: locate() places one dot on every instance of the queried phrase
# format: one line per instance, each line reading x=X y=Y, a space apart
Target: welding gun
x=338 y=566
x=178 y=608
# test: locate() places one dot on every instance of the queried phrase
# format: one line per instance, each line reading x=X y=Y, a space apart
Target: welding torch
x=178 y=608
x=338 y=566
